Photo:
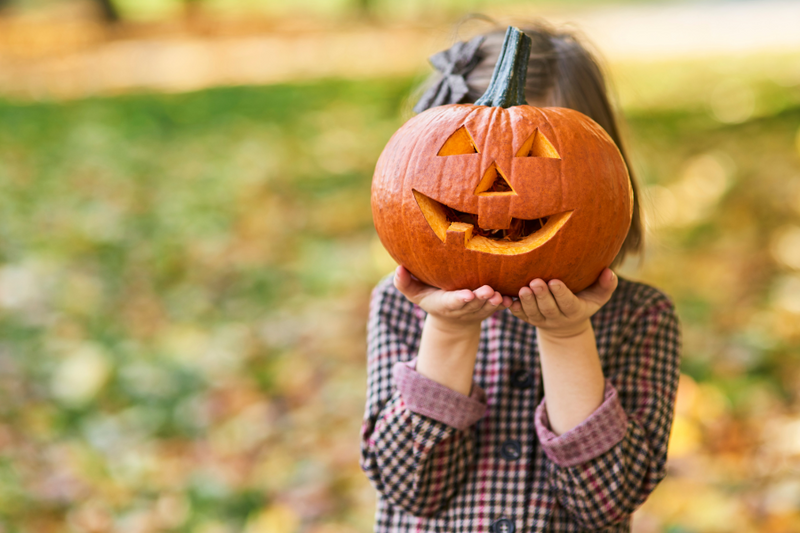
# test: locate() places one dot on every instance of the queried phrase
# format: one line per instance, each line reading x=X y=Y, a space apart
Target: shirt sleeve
x=430 y=398
x=603 y=469
x=417 y=440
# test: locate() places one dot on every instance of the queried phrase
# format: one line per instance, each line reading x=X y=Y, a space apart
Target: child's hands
x=556 y=311
x=455 y=308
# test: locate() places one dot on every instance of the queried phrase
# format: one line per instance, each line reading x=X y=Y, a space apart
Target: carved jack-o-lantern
x=499 y=192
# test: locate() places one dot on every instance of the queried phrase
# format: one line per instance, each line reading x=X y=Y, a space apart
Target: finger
x=507 y=301
x=481 y=296
x=456 y=300
x=567 y=302
x=529 y=304
x=602 y=289
x=545 y=301
x=402 y=276
x=484 y=292
x=464 y=301
x=411 y=288
x=491 y=306
x=517 y=310
x=477 y=306
x=496 y=299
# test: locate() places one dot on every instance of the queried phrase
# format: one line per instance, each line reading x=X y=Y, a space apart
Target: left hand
x=458 y=309
x=556 y=311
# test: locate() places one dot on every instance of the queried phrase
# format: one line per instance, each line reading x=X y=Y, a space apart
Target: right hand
x=451 y=309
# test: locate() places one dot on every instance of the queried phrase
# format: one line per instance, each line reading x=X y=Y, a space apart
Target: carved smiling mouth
x=521 y=236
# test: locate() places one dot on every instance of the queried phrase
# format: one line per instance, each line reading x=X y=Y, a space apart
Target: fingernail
x=555 y=286
x=537 y=289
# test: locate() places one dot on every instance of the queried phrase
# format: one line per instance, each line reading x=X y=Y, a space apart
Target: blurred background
x=187 y=252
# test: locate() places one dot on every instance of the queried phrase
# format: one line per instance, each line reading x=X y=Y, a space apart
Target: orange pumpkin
x=466 y=195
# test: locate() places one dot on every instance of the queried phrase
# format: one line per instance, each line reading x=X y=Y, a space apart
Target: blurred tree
x=191 y=8
x=108 y=10
x=364 y=8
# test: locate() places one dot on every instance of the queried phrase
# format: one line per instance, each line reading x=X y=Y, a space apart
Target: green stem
x=507 y=87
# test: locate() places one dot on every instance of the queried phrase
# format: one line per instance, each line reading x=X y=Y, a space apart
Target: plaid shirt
x=488 y=462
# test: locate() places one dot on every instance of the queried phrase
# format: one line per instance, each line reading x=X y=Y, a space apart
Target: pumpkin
x=500 y=193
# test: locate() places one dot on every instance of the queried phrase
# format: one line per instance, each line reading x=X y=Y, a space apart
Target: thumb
x=602 y=289
x=411 y=288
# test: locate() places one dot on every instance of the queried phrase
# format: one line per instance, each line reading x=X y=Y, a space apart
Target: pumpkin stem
x=507 y=87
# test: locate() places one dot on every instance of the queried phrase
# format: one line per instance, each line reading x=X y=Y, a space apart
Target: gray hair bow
x=454 y=63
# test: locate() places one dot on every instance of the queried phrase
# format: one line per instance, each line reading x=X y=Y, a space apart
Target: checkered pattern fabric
x=445 y=462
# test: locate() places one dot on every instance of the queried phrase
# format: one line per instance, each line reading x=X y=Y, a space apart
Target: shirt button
x=504 y=525
x=511 y=450
x=521 y=379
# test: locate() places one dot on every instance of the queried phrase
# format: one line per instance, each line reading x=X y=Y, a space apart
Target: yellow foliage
x=274 y=519
x=685 y=437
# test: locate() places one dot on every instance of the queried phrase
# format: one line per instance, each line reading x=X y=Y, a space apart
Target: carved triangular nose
x=493 y=183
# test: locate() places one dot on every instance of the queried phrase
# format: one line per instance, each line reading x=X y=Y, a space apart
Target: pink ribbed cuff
x=601 y=430
x=424 y=396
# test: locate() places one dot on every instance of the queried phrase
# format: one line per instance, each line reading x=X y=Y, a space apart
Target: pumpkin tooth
x=444 y=219
x=460 y=233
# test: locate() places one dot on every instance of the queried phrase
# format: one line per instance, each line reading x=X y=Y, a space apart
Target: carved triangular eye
x=494 y=183
x=459 y=143
x=537 y=145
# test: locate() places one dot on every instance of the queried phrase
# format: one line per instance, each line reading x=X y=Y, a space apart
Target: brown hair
x=561 y=73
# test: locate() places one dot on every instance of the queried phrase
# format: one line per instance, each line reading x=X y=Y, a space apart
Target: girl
x=548 y=412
